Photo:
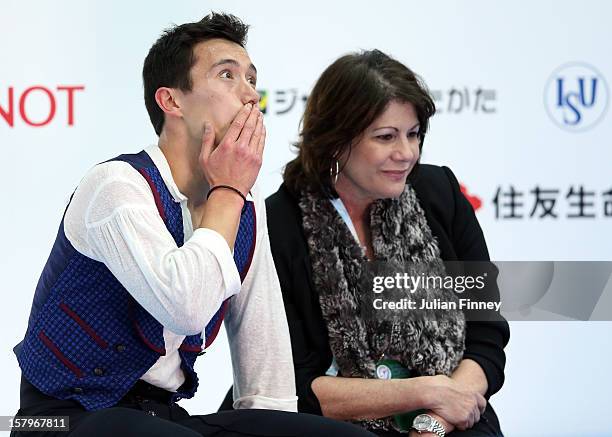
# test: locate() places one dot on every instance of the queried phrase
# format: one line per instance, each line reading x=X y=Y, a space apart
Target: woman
x=356 y=193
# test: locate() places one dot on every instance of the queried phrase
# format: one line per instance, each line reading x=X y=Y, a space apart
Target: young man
x=156 y=249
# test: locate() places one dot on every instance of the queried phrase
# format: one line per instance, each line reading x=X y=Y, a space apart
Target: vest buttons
x=98 y=371
x=151 y=413
x=77 y=390
x=120 y=348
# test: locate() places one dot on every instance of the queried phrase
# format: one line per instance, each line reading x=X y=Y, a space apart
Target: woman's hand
x=455 y=403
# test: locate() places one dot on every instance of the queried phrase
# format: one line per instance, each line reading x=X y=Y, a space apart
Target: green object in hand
x=392 y=369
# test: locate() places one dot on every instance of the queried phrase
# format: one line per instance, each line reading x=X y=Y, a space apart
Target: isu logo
x=38 y=105
x=576 y=96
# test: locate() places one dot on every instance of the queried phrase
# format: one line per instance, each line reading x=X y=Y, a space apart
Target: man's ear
x=166 y=100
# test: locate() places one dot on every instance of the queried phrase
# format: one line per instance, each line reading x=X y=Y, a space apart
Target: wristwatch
x=426 y=423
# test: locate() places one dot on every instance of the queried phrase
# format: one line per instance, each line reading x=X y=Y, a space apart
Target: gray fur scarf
x=400 y=235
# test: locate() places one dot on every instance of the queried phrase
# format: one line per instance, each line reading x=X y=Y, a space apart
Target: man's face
x=223 y=81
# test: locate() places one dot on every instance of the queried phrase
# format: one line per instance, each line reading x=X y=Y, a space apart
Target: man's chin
x=220 y=133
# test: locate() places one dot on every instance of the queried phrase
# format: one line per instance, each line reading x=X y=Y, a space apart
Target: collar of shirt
x=162 y=165
x=342 y=211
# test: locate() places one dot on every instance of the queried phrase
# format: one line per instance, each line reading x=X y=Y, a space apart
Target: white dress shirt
x=113 y=219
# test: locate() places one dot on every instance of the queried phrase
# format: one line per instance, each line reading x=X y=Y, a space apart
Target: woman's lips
x=396 y=175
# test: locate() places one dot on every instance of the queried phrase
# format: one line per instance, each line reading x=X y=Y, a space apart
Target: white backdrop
x=495 y=69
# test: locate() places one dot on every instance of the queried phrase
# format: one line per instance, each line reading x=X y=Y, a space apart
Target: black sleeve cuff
x=307 y=400
x=485 y=342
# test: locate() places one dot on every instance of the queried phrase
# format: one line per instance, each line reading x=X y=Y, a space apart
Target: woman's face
x=378 y=165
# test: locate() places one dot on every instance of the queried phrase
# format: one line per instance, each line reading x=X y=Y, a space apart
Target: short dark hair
x=170 y=59
x=350 y=94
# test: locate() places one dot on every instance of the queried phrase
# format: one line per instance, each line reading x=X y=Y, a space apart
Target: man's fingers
x=262 y=140
x=208 y=141
x=254 y=143
x=233 y=132
x=249 y=127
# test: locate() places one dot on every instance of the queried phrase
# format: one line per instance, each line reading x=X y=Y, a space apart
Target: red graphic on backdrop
x=473 y=199
x=59 y=96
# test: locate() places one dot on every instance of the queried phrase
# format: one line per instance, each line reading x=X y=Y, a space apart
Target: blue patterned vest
x=87 y=338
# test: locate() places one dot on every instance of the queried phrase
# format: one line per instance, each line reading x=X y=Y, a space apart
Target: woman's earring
x=334 y=174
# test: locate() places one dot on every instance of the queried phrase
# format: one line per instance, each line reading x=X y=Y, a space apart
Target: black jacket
x=454 y=224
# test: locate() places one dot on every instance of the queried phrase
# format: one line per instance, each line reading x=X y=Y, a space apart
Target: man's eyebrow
x=232 y=62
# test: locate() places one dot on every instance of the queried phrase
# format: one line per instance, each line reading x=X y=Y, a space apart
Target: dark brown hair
x=350 y=94
x=170 y=59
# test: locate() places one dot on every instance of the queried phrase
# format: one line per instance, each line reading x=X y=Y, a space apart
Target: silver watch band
x=437 y=428
x=426 y=423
